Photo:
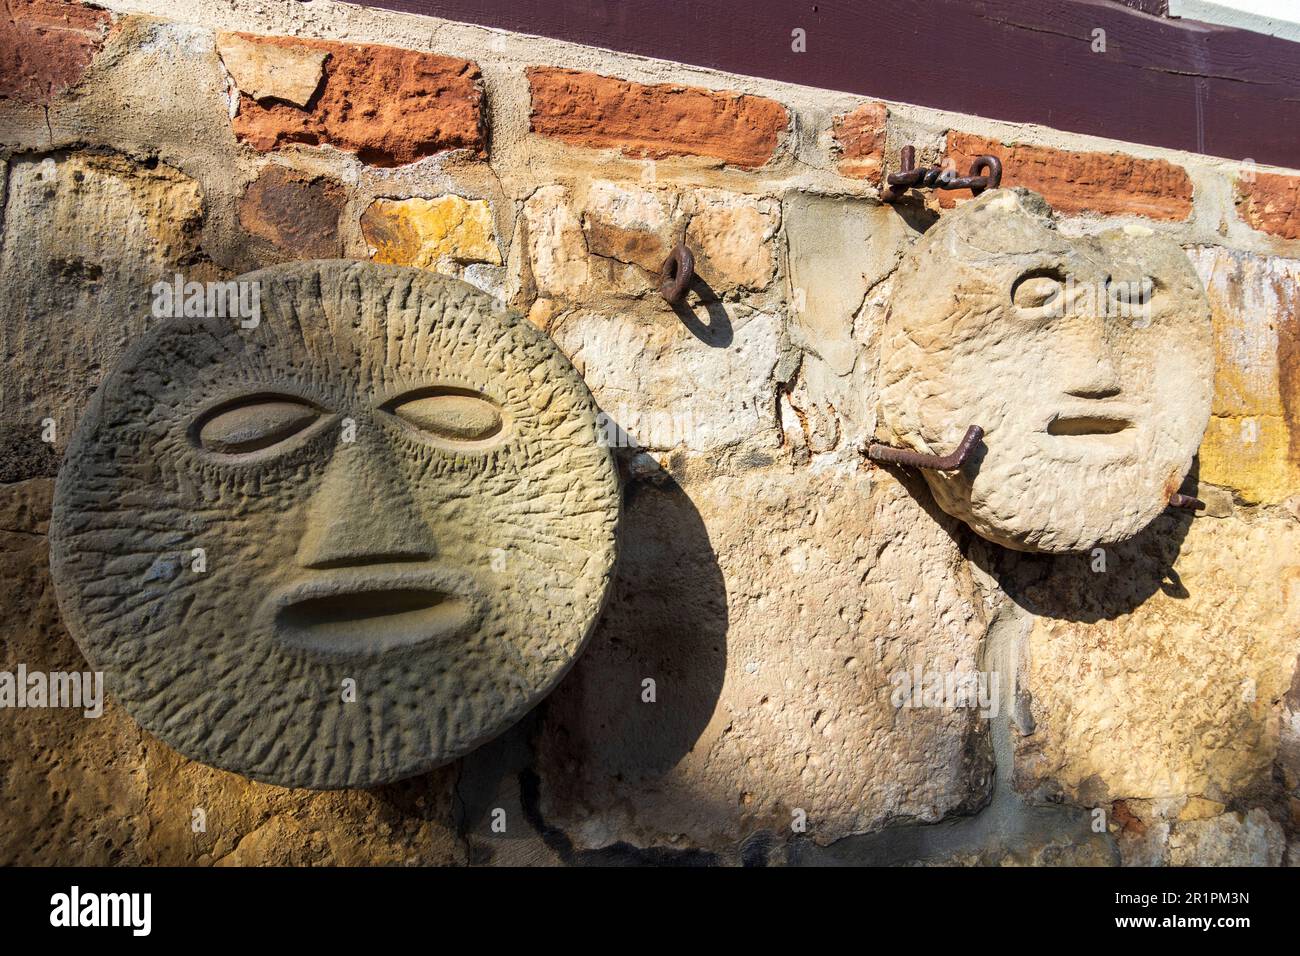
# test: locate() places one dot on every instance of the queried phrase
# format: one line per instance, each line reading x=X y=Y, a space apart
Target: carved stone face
x=1087 y=362
x=406 y=520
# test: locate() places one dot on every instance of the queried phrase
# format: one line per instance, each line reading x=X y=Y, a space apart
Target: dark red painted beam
x=1162 y=82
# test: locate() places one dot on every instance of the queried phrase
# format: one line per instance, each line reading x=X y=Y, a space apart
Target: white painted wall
x=1279 y=18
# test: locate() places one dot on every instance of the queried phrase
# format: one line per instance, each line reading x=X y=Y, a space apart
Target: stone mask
x=406 y=521
x=1087 y=361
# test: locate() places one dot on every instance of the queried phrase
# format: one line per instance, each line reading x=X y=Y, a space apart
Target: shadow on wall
x=24 y=455
x=1072 y=587
x=718 y=333
x=665 y=622
x=1066 y=586
x=912 y=210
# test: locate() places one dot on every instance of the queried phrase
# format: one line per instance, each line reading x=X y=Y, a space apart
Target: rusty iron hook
x=987 y=168
x=887 y=454
x=676 y=275
x=1177 y=500
x=985 y=173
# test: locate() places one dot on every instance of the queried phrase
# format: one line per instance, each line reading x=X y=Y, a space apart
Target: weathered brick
x=860 y=141
x=46 y=45
x=1108 y=184
x=297 y=213
x=387 y=105
x=601 y=112
x=1271 y=203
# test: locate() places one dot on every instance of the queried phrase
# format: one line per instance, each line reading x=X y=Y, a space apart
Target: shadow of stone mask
x=407 y=525
x=1087 y=361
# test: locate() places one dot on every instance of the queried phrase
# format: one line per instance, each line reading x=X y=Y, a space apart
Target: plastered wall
x=801 y=614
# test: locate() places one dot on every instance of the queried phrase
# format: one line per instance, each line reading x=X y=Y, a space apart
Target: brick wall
x=772 y=578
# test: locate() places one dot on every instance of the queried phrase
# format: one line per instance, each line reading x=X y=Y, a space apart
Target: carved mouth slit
x=370 y=621
x=1087 y=425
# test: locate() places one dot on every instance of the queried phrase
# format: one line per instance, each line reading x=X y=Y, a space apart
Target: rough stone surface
x=269 y=71
x=1252 y=443
x=667 y=389
x=401 y=618
x=633 y=225
x=389 y=106
x=557 y=247
x=814 y=412
x=860 y=141
x=1107 y=184
x=73 y=790
x=46 y=45
x=838 y=252
x=295 y=212
x=424 y=232
x=1156 y=678
x=98 y=230
x=1091 y=412
x=731 y=237
x=253 y=824
x=656 y=121
x=758 y=541
x=1271 y=203
x=1233 y=839
x=774 y=611
x=584 y=245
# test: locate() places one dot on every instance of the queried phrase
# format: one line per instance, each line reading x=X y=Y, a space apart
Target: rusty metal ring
x=676 y=275
x=993 y=165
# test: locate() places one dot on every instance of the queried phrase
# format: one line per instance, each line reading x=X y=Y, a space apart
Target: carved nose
x=1092 y=370
x=363 y=513
x=1100 y=382
x=1099 y=391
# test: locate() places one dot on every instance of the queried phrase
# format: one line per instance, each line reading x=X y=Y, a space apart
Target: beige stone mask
x=1087 y=362
x=405 y=515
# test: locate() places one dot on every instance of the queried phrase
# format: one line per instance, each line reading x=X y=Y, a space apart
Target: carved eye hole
x=254 y=424
x=452 y=414
x=1038 y=290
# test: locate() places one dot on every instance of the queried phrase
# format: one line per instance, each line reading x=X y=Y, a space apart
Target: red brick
x=387 y=105
x=860 y=141
x=1108 y=184
x=46 y=45
x=601 y=112
x=1271 y=203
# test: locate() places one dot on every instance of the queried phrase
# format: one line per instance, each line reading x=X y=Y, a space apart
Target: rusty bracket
x=985 y=173
x=1177 y=500
x=676 y=274
x=887 y=454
